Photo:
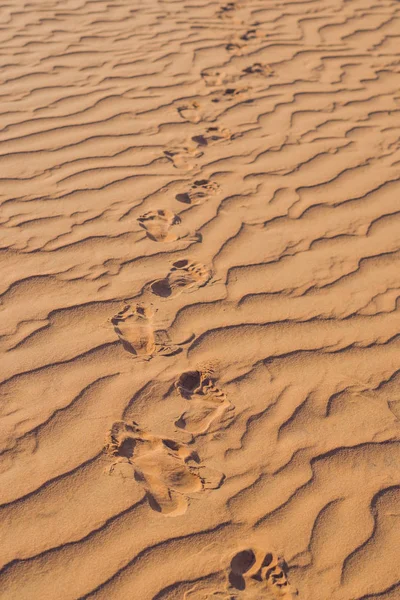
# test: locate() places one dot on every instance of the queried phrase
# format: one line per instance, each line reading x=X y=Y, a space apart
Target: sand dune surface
x=200 y=294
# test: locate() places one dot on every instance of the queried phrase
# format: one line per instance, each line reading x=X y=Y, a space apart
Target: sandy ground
x=200 y=279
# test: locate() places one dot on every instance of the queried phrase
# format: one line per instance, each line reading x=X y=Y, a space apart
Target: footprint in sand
x=134 y=327
x=184 y=276
x=215 y=78
x=252 y=34
x=255 y=568
x=231 y=94
x=160 y=226
x=258 y=69
x=190 y=112
x=168 y=470
x=200 y=190
x=207 y=402
x=213 y=135
x=236 y=47
x=183 y=158
x=227 y=11
x=158 y=223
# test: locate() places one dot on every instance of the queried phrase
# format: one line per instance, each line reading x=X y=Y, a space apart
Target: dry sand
x=200 y=209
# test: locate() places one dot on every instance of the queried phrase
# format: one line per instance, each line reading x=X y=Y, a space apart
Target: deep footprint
x=168 y=470
x=258 y=69
x=207 y=402
x=184 y=276
x=212 y=135
x=231 y=93
x=256 y=568
x=200 y=190
x=134 y=327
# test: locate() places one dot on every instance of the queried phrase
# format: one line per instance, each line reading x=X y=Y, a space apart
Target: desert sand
x=200 y=292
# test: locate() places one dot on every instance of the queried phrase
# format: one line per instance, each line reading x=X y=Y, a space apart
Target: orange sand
x=200 y=210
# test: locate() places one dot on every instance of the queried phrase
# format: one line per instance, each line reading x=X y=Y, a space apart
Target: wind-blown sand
x=200 y=210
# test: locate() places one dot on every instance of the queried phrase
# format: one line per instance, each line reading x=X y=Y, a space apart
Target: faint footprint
x=259 y=69
x=183 y=158
x=184 y=276
x=167 y=469
x=255 y=567
x=199 y=191
x=207 y=402
x=134 y=327
x=212 y=135
x=190 y=112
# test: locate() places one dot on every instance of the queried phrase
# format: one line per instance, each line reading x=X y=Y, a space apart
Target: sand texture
x=200 y=293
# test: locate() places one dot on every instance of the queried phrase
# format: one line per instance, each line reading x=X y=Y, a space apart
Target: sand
x=200 y=371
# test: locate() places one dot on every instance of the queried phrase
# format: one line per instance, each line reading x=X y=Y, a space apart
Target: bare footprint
x=200 y=190
x=134 y=327
x=213 y=135
x=158 y=223
x=184 y=276
x=164 y=226
x=252 y=34
x=227 y=11
x=215 y=78
x=183 y=158
x=258 y=69
x=231 y=93
x=236 y=48
x=190 y=112
x=207 y=402
x=257 y=568
x=167 y=469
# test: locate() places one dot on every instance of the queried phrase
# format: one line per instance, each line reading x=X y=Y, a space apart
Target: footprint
x=207 y=402
x=227 y=10
x=258 y=69
x=236 y=48
x=231 y=94
x=213 y=135
x=214 y=78
x=184 y=276
x=183 y=159
x=252 y=568
x=134 y=327
x=168 y=470
x=190 y=112
x=251 y=34
x=157 y=224
x=199 y=191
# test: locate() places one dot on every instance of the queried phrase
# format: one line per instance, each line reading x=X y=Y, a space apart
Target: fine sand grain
x=200 y=234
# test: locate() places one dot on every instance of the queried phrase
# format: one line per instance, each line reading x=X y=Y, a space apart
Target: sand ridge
x=200 y=248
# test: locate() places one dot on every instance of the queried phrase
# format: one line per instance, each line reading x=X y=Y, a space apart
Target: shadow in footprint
x=207 y=403
x=134 y=327
x=166 y=469
x=199 y=191
x=257 y=567
x=240 y=564
x=184 y=276
x=212 y=135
